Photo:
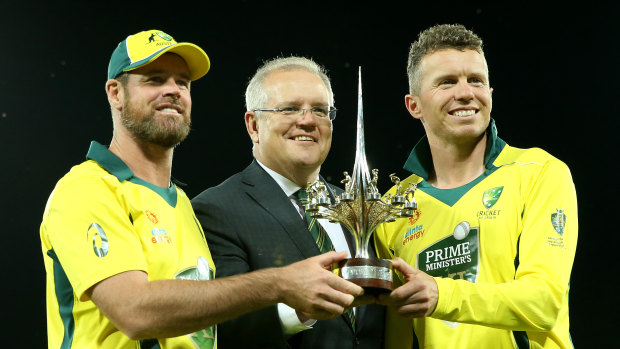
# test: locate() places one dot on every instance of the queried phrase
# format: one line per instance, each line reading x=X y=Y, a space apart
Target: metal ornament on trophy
x=361 y=210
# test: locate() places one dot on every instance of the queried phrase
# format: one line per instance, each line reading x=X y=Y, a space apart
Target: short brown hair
x=436 y=38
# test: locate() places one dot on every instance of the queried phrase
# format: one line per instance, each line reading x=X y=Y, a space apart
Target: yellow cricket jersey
x=500 y=248
x=101 y=220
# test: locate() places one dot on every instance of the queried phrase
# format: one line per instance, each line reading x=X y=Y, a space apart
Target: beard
x=167 y=131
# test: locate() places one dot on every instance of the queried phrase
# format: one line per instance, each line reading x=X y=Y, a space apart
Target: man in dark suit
x=253 y=220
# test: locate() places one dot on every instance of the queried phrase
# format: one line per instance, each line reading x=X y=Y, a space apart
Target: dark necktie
x=318 y=233
x=320 y=237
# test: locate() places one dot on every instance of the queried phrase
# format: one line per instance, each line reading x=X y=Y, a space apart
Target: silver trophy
x=361 y=209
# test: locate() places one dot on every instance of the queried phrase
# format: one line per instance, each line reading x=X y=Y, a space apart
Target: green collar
x=115 y=166
x=420 y=161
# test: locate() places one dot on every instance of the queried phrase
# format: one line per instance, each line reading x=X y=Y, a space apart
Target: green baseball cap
x=144 y=47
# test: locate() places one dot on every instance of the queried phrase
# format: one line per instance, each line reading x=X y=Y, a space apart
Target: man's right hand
x=313 y=289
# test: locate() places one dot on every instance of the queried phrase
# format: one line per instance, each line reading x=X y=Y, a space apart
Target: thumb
x=327 y=259
x=402 y=266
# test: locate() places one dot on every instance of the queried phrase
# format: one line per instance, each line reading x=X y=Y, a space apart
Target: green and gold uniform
x=500 y=248
x=100 y=221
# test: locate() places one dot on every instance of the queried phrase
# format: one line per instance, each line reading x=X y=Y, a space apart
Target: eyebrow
x=300 y=101
x=455 y=76
x=162 y=71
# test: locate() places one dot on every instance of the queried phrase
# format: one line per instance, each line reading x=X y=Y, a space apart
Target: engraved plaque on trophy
x=361 y=209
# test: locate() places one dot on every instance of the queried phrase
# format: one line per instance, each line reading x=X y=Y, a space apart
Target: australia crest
x=558 y=221
x=490 y=197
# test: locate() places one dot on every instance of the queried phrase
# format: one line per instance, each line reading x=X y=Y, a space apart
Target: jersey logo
x=160 y=235
x=558 y=221
x=151 y=216
x=456 y=256
x=99 y=238
x=413 y=233
x=490 y=197
x=415 y=217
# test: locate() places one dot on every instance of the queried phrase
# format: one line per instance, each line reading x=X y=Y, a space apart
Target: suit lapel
x=263 y=189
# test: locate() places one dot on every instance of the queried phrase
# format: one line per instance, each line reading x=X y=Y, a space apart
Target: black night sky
x=554 y=73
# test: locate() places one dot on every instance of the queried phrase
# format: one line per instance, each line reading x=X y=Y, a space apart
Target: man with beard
x=254 y=220
x=127 y=262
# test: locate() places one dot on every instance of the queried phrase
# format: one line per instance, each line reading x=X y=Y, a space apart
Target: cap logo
x=161 y=35
x=165 y=36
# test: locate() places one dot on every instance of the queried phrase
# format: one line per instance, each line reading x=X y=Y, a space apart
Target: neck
x=298 y=175
x=150 y=162
x=302 y=178
x=455 y=165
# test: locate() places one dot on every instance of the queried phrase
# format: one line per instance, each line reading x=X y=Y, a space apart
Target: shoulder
x=81 y=193
x=84 y=180
x=528 y=157
x=533 y=165
x=229 y=186
x=513 y=154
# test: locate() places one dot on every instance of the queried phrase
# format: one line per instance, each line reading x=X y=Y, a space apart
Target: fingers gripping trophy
x=361 y=210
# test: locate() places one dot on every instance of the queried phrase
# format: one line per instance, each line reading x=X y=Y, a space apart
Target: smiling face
x=293 y=146
x=157 y=104
x=454 y=103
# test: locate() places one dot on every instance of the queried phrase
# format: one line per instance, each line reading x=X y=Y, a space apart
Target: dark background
x=554 y=72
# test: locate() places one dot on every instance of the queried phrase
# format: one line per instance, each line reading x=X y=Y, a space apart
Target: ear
x=413 y=106
x=251 y=125
x=114 y=90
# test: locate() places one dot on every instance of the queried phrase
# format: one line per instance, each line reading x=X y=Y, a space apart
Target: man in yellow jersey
x=486 y=259
x=126 y=259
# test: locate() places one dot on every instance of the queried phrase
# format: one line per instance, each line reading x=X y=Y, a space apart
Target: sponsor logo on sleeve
x=99 y=239
x=558 y=221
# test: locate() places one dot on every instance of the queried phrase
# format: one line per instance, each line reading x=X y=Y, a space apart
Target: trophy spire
x=361 y=175
x=360 y=209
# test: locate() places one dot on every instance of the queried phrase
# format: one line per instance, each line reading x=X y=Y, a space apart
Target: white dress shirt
x=288 y=316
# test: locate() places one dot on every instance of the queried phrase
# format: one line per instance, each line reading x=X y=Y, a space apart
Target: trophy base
x=372 y=274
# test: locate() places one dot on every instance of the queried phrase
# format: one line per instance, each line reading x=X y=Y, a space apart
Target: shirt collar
x=289 y=187
x=109 y=161
x=420 y=160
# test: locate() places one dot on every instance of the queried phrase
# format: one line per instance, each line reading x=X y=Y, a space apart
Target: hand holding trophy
x=361 y=210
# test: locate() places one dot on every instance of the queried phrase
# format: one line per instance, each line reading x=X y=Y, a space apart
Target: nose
x=171 y=88
x=463 y=91
x=307 y=118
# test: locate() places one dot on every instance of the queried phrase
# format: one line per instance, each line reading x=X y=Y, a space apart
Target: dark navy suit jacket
x=251 y=224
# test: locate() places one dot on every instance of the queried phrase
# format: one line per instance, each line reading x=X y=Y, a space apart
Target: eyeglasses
x=320 y=113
